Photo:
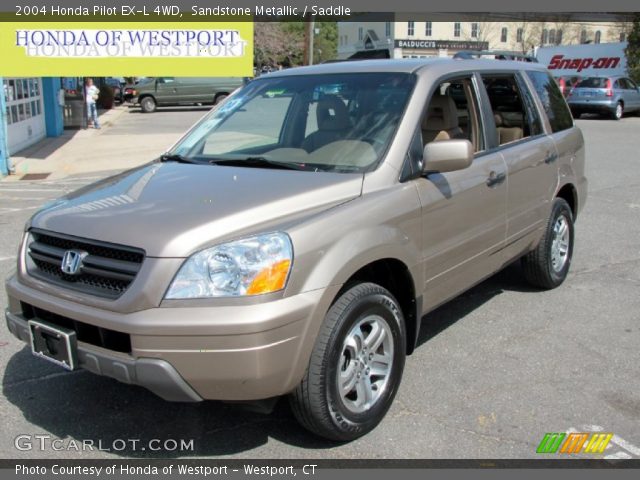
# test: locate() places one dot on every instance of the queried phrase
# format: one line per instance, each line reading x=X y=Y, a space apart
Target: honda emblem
x=72 y=261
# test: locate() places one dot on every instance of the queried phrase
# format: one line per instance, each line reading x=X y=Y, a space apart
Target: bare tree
x=276 y=43
x=528 y=34
x=486 y=31
x=620 y=29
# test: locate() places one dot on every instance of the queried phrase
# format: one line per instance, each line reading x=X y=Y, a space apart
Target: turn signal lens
x=271 y=279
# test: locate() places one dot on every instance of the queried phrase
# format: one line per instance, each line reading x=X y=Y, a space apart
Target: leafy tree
x=325 y=45
x=632 y=51
x=325 y=41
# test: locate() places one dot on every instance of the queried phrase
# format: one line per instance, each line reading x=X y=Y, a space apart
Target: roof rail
x=495 y=54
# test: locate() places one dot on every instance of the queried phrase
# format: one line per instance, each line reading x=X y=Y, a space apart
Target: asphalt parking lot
x=496 y=368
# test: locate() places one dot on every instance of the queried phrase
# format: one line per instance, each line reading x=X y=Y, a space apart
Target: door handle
x=550 y=158
x=496 y=178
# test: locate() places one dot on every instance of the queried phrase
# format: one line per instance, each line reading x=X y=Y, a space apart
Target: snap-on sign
x=584 y=60
x=579 y=64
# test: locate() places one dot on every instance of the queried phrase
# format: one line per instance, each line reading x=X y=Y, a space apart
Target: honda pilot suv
x=291 y=242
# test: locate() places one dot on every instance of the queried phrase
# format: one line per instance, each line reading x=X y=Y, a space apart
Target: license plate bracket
x=53 y=343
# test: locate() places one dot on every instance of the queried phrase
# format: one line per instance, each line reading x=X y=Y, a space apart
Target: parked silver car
x=293 y=240
x=613 y=96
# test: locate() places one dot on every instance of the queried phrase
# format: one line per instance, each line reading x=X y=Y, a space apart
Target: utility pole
x=5 y=164
x=308 y=40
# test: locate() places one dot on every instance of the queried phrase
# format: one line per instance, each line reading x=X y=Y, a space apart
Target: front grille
x=101 y=337
x=106 y=270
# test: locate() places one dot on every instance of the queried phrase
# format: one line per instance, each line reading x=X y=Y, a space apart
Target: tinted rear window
x=593 y=82
x=552 y=101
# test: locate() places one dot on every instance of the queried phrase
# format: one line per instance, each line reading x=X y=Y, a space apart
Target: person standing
x=91 y=93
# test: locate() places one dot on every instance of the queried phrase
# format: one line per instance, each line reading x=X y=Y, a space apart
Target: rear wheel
x=148 y=105
x=548 y=265
x=355 y=367
x=618 y=112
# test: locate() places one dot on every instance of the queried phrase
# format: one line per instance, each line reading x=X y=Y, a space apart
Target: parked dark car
x=117 y=86
x=130 y=90
x=165 y=91
x=612 y=96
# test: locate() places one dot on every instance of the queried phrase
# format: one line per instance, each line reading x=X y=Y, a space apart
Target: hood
x=172 y=209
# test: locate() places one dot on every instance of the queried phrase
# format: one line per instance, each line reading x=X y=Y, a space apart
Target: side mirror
x=447 y=156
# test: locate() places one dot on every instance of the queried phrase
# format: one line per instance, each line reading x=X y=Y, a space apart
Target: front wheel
x=148 y=105
x=355 y=367
x=219 y=98
x=548 y=265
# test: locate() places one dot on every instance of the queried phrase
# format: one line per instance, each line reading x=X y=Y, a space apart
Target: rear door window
x=552 y=101
x=514 y=114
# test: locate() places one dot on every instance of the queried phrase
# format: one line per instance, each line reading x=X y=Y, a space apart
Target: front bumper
x=155 y=374
x=233 y=352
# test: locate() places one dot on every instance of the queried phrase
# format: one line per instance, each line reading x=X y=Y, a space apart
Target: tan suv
x=291 y=242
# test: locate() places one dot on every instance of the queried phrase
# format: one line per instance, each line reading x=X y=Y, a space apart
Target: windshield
x=337 y=122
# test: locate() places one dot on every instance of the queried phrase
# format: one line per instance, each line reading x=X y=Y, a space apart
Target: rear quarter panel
x=571 y=163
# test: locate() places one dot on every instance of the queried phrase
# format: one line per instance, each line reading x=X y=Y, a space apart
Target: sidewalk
x=90 y=150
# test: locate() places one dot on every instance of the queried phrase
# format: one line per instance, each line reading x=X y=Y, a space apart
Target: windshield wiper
x=174 y=157
x=257 y=162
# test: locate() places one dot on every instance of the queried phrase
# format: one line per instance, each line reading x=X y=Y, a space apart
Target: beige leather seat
x=441 y=121
x=508 y=131
x=333 y=123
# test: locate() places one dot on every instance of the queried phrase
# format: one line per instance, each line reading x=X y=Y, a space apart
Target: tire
x=317 y=403
x=220 y=97
x=576 y=114
x=618 y=112
x=548 y=265
x=148 y=105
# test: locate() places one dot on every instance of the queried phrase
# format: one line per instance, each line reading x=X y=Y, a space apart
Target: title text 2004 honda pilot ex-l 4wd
x=291 y=242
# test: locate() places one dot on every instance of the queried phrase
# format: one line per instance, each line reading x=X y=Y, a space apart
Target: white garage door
x=25 y=115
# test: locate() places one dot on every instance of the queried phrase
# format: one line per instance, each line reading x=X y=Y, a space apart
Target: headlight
x=251 y=266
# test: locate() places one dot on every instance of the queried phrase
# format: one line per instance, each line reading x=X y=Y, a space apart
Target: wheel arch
x=394 y=275
x=569 y=193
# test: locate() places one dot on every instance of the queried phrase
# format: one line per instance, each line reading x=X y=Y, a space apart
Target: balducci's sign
x=441 y=44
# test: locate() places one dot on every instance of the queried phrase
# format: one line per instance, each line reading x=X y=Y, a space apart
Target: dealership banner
x=206 y=49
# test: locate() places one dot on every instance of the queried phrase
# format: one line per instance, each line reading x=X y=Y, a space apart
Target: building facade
x=423 y=39
x=30 y=111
